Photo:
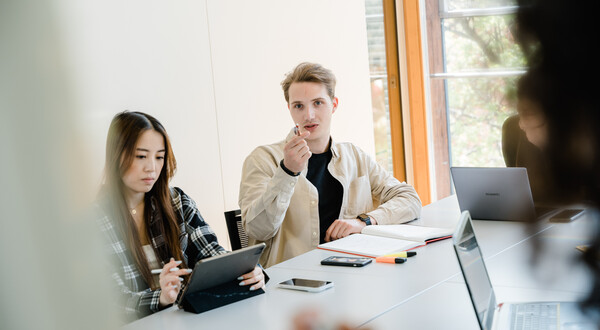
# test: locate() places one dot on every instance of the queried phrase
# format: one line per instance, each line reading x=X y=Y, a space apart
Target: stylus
x=158 y=271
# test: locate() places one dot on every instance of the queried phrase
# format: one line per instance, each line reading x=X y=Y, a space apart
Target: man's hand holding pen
x=296 y=152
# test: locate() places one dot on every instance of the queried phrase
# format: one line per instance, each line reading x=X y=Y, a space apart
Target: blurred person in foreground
x=51 y=275
x=146 y=223
x=558 y=38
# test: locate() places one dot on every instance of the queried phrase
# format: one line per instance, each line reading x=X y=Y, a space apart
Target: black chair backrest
x=237 y=234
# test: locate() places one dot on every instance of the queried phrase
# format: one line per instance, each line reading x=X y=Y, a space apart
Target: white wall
x=210 y=72
x=254 y=46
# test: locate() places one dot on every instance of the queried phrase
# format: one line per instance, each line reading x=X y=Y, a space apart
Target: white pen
x=158 y=271
x=297 y=129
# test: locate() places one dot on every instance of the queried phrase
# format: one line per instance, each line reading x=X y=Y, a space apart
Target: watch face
x=365 y=218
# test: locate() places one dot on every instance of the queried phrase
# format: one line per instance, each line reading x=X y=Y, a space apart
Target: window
x=379 y=88
x=385 y=89
x=474 y=64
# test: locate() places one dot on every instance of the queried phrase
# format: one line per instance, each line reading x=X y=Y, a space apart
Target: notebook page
x=369 y=245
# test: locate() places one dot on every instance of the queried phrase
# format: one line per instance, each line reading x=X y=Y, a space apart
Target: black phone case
x=567 y=215
x=329 y=262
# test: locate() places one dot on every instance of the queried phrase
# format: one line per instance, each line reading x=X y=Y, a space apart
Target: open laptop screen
x=474 y=271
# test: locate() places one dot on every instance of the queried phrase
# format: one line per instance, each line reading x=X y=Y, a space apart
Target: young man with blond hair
x=308 y=189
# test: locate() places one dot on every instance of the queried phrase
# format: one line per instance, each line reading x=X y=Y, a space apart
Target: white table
x=516 y=273
x=427 y=292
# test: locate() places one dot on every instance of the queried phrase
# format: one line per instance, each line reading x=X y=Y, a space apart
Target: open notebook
x=375 y=241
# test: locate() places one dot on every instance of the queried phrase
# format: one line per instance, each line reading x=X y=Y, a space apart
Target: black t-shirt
x=330 y=190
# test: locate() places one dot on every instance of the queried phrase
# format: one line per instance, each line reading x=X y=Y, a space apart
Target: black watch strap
x=286 y=170
x=364 y=218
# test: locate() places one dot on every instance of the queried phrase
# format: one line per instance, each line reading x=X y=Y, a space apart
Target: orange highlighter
x=390 y=260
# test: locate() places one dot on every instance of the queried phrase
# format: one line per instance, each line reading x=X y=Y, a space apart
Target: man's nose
x=310 y=114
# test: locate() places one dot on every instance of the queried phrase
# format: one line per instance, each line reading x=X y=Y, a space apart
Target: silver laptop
x=529 y=315
x=496 y=193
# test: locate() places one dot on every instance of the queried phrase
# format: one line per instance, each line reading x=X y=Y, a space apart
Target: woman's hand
x=170 y=282
x=256 y=278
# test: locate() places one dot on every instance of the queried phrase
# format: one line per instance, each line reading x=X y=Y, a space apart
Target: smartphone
x=346 y=261
x=567 y=215
x=306 y=285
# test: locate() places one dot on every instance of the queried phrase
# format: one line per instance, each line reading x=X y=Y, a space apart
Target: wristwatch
x=364 y=218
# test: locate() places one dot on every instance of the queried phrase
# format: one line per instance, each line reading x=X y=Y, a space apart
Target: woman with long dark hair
x=149 y=225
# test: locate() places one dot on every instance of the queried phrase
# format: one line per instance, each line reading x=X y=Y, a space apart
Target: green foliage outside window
x=477 y=107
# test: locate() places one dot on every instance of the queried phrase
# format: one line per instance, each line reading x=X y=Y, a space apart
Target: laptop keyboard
x=535 y=316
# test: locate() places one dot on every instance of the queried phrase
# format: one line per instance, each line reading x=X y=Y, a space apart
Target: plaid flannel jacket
x=197 y=240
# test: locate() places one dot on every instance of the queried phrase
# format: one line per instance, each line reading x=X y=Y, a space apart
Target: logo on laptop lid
x=492 y=194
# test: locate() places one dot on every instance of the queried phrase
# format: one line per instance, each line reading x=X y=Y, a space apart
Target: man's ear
x=335 y=102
